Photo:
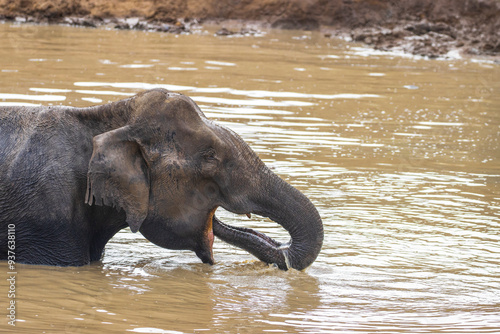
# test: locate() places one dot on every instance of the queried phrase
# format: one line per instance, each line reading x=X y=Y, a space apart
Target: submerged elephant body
x=71 y=178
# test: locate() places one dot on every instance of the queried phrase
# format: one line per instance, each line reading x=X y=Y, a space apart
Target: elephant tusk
x=284 y=250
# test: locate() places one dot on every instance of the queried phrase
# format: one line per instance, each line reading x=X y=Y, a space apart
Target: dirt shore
x=425 y=27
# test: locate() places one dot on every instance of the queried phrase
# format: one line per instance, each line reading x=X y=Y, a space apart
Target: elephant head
x=169 y=168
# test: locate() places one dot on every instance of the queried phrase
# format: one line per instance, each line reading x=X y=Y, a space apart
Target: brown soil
x=426 y=27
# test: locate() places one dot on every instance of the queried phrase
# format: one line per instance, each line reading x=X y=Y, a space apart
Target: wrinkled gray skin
x=71 y=178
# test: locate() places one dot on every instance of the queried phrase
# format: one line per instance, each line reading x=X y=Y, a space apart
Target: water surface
x=400 y=155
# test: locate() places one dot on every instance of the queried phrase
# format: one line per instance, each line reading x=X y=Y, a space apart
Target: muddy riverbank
x=424 y=27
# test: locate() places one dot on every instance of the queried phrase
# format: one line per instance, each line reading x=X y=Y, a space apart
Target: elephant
x=71 y=178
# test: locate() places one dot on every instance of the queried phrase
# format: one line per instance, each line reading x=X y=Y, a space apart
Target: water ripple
x=405 y=180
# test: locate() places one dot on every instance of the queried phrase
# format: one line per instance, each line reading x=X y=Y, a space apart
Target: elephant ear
x=118 y=176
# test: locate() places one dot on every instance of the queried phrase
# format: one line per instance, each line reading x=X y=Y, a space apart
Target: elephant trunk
x=288 y=207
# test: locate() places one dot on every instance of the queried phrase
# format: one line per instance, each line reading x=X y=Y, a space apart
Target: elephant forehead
x=166 y=117
x=204 y=133
x=159 y=106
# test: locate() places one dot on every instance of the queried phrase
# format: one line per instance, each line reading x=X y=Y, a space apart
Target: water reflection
x=406 y=180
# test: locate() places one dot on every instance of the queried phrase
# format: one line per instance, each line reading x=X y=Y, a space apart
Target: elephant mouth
x=204 y=249
x=256 y=243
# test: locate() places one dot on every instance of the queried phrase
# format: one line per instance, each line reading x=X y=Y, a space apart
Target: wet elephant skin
x=71 y=178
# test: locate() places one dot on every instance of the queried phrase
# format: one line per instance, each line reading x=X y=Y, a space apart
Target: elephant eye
x=209 y=155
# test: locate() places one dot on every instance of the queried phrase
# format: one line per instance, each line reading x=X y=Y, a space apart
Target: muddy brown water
x=400 y=155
